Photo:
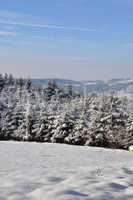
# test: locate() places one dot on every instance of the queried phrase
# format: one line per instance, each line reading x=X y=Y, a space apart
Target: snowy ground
x=31 y=171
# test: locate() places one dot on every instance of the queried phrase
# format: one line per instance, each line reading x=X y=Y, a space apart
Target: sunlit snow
x=33 y=171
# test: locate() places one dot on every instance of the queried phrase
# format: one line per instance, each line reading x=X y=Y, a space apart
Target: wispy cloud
x=9 y=14
x=37 y=25
x=6 y=14
x=8 y=33
x=54 y=39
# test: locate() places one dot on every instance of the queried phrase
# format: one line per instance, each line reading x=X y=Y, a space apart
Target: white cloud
x=8 y=33
x=37 y=25
x=13 y=15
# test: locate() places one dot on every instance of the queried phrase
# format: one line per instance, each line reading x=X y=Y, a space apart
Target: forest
x=34 y=113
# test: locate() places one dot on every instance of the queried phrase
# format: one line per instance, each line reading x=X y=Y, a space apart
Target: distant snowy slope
x=91 y=86
x=31 y=171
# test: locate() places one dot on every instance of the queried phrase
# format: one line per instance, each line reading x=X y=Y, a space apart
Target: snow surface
x=31 y=171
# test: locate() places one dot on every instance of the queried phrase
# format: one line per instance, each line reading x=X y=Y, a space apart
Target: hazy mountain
x=91 y=86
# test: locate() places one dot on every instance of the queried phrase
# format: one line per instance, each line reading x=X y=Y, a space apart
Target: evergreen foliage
x=52 y=114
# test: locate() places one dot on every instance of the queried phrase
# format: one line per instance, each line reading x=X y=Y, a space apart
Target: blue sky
x=74 y=39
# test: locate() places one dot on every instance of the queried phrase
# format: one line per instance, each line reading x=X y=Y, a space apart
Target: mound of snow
x=31 y=171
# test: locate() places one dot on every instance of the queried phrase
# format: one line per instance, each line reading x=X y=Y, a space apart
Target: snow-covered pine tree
x=44 y=132
x=119 y=119
x=31 y=129
x=20 y=121
x=9 y=124
x=128 y=137
x=79 y=132
x=63 y=127
x=50 y=90
x=2 y=82
x=1 y=134
x=11 y=80
x=97 y=132
x=28 y=85
x=6 y=79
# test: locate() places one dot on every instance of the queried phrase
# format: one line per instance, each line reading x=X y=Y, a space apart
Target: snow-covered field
x=31 y=171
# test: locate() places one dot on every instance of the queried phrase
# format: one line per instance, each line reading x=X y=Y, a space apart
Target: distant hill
x=91 y=86
x=61 y=82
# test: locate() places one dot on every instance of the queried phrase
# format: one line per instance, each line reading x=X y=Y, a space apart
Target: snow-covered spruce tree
x=22 y=132
x=128 y=137
x=9 y=125
x=62 y=128
x=28 y=128
x=79 y=132
x=1 y=134
x=28 y=85
x=79 y=112
x=6 y=79
x=108 y=128
x=44 y=132
x=2 y=120
x=7 y=107
x=34 y=107
x=2 y=82
x=14 y=116
x=20 y=120
x=98 y=121
x=128 y=141
x=11 y=80
x=20 y=83
x=50 y=90
x=48 y=118
x=119 y=119
x=3 y=113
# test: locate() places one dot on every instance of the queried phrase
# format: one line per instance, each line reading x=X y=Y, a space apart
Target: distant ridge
x=91 y=86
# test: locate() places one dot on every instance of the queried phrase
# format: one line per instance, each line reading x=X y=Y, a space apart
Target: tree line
x=53 y=114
